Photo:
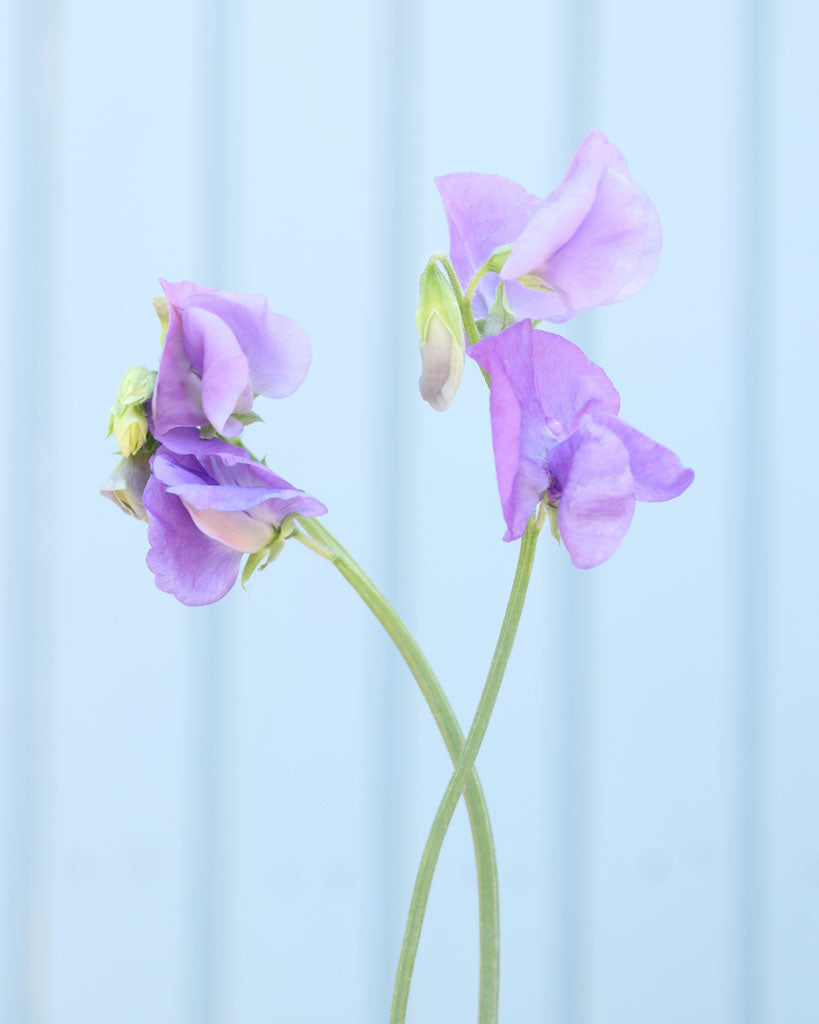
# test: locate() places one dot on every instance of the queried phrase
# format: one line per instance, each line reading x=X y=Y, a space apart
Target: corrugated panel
x=216 y=815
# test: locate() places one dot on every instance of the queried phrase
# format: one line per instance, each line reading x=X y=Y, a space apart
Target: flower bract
x=557 y=436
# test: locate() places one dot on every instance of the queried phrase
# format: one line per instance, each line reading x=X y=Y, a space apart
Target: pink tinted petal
x=561 y=213
x=212 y=345
x=536 y=304
x=277 y=348
x=237 y=530
x=186 y=563
x=658 y=473
x=649 y=256
x=614 y=251
x=597 y=493
x=484 y=211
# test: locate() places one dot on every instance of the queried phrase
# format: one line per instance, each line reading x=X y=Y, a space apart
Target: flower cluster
x=515 y=260
x=558 y=440
x=206 y=500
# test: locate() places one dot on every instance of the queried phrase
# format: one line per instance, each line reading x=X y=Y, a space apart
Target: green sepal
x=261 y=559
x=246 y=418
x=437 y=297
x=252 y=564
x=551 y=512
x=500 y=315
x=497 y=261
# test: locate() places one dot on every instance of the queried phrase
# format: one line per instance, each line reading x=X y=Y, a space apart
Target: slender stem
x=465 y=307
x=463 y=771
x=319 y=539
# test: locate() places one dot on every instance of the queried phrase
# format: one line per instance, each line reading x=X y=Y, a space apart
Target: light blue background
x=212 y=816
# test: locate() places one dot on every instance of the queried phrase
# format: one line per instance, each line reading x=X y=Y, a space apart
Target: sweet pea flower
x=595 y=240
x=221 y=349
x=557 y=436
x=209 y=503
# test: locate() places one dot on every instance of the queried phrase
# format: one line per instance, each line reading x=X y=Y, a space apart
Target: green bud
x=128 y=421
x=130 y=428
x=442 y=338
x=137 y=386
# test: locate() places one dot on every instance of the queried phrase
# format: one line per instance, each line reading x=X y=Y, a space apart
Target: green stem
x=465 y=306
x=320 y=540
x=463 y=771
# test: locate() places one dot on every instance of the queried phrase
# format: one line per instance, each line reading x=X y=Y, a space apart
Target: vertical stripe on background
x=578 y=610
x=209 y=702
x=394 y=113
x=30 y=541
x=753 y=584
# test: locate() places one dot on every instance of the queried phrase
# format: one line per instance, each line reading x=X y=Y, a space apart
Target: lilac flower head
x=557 y=435
x=208 y=504
x=221 y=349
x=595 y=240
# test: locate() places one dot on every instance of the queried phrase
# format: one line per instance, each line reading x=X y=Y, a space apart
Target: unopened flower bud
x=442 y=338
x=137 y=386
x=125 y=485
x=128 y=421
x=130 y=428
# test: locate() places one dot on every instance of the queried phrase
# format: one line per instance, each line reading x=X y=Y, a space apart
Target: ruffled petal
x=215 y=350
x=520 y=435
x=177 y=398
x=615 y=250
x=596 y=503
x=277 y=348
x=484 y=212
x=658 y=473
x=186 y=563
x=561 y=213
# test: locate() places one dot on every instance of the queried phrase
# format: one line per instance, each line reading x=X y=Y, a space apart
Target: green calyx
x=437 y=299
x=261 y=559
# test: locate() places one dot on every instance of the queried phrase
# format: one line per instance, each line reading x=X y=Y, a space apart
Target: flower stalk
x=318 y=538
x=464 y=771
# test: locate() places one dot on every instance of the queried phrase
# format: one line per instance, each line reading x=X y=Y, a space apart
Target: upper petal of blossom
x=596 y=239
x=215 y=352
x=220 y=349
x=177 y=398
x=277 y=348
x=484 y=212
x=558 y=216
x=596 y=503
x=658 y=473
x=186 y=562
x=541 y=385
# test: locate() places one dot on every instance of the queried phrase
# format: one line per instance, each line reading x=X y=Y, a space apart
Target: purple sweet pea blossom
x=221 y=349
x=556 y=434
x=208 y=504
x=595 y=240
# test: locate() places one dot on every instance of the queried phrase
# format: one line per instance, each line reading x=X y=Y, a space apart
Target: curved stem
x=463 y=771
x=320 y=540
